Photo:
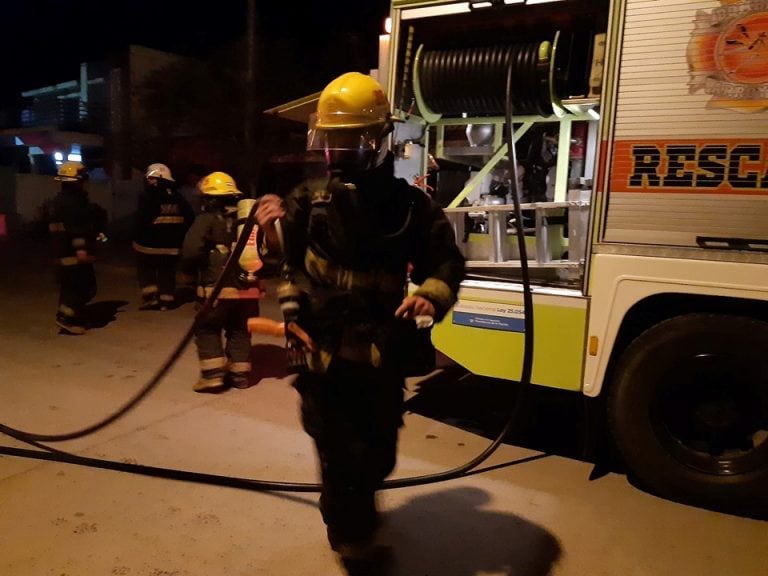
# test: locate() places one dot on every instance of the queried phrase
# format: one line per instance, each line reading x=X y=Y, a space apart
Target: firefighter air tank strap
x=324 y=272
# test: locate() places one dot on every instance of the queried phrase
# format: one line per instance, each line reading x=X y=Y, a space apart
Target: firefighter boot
x=69 y=325
x=149 y=300
x=166 y=302
x=365 y=555
x=149 y=304
x=366 y=560
x=210 y=385
x=240 y=380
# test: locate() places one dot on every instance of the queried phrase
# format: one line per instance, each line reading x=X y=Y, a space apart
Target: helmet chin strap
x=381 y=153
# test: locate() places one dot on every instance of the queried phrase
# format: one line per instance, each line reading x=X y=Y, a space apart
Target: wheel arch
x=630 y=293
x=653 y=309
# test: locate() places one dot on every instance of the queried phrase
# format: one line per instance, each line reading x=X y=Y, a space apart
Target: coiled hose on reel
x=471 y=81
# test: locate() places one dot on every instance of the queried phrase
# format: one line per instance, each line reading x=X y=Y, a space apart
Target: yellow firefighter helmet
x=218 y=184
x=353 y=100
x=353 y=117
x=71 y=172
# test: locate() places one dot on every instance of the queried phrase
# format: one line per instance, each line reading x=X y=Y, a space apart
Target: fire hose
x=470 y=467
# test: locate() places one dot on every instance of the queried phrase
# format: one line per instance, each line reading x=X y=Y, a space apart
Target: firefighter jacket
x=163 y=217
x=205 y=251
x=354 y=245
x=74 y=224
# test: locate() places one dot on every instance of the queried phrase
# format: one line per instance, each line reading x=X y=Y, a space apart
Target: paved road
x=543 y=516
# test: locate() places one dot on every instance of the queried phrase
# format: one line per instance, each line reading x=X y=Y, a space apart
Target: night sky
x=43 y=41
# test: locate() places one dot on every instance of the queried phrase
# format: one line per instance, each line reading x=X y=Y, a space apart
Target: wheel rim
x=711 y=412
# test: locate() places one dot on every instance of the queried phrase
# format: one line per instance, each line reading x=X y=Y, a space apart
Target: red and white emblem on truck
x=728 y=55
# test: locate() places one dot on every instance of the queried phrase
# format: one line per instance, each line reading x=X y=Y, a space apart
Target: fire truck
x=640 y=132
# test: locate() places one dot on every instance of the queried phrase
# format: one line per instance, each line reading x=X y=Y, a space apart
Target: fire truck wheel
x=688 y=411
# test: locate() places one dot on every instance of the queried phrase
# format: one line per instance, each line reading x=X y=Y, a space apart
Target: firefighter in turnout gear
x=351 y=239
x=222 y=337
x=162 y=219
x=75 y=225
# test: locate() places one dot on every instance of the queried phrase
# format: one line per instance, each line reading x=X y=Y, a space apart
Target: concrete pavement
x=538 y=518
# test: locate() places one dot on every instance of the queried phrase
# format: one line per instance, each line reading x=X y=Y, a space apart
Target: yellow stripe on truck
x=497 y=351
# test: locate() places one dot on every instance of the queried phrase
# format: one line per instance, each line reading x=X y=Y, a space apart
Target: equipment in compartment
x=456 y=94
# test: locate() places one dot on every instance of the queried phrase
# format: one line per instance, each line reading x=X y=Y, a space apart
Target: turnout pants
x=77 y=287
x=353 y=413
x=223 y=341
x=157 y=277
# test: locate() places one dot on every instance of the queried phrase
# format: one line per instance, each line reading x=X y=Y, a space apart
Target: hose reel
x=471 y=81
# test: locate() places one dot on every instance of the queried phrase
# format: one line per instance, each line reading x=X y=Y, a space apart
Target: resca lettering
x=738 y=166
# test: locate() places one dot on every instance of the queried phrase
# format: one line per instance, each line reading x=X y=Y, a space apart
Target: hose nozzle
x=290 y=299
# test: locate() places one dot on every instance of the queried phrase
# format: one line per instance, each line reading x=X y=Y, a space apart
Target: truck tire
x=688 y=411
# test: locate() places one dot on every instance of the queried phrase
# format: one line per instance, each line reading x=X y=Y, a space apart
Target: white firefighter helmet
x=159 y=171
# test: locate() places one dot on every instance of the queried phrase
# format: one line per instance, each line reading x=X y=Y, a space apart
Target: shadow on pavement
x=99 y=314
x=550 y=420
x=448 y=532
x=267 y=361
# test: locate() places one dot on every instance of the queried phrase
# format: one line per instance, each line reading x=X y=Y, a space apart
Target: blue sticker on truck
x=489 y=315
